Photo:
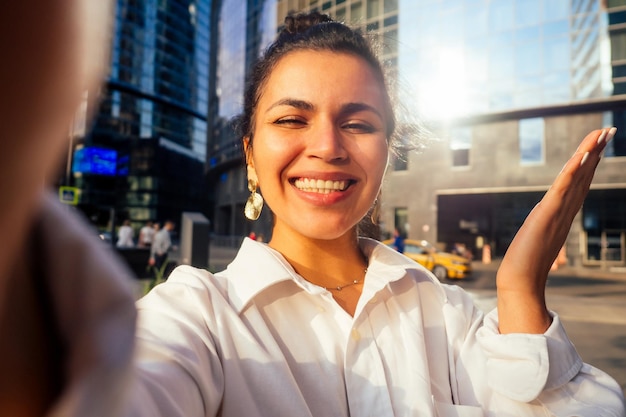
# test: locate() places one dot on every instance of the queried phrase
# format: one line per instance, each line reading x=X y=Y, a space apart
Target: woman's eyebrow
x=292 y=102
x=350 y=108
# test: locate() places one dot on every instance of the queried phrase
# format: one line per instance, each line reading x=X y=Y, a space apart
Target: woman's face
x=319 y=150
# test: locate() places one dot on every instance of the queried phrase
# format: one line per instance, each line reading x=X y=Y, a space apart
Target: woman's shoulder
x=189 y=285
x=196 y=278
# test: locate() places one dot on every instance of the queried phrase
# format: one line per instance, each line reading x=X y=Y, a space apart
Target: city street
x=593 y=311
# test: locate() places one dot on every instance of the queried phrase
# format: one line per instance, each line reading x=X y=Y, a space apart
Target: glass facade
x=243 y=31
x=465 y=57
x=377 y=17
x=153 y=112
x=531 y=141
x=230 y=72
x=158 y=82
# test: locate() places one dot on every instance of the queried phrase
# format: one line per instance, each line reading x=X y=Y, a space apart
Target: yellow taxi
x=443 y=264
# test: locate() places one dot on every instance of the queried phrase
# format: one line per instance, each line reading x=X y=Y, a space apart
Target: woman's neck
x=327 y=263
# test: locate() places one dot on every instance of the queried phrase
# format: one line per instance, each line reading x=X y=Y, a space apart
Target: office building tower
x=144 y=157
x=242 y=30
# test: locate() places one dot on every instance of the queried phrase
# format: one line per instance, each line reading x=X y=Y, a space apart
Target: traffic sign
x=69 y=195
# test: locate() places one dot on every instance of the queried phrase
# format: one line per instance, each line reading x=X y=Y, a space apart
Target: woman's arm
x=53 y=51
x=522 y=276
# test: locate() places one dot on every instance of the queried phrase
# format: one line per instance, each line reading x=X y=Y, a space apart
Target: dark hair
x=309 y=31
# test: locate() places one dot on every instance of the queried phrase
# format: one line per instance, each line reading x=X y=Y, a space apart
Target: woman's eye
x=290 y=121
x=359 y=127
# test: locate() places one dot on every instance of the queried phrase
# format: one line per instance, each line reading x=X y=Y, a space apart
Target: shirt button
x=320 y=309
x=374 y=300
x=356 y=336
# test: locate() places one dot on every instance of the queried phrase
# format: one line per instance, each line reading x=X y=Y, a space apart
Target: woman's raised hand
x=523 y=273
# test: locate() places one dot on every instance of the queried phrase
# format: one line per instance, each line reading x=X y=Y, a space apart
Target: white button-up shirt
x=259 y=340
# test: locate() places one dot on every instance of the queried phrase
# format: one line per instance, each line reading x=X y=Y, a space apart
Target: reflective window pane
x=531 y=141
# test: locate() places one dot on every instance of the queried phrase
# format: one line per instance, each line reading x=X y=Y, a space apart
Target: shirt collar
x=257 y=267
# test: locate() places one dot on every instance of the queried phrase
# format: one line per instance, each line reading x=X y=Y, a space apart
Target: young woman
x=318 y=322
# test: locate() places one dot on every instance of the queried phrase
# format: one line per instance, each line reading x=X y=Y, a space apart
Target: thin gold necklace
x=341 y=287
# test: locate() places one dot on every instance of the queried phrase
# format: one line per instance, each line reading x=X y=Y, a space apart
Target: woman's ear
x=247 y=148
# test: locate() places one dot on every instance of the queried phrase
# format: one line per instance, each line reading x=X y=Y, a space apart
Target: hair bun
x=298 y=23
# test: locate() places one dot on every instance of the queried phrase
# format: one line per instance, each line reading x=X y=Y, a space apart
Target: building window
x=401 y=220
x=618 y=44
x=531 y=141
x=356 y=12
x=373 y=8
x=604 y=225
x=460 y=145
x=400 y=159
x=340 y=14
x=400 y=151
x=390 y=6
x=616 y=147
x=460 y=157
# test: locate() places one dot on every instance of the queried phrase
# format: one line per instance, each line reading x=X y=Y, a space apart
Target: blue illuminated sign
x=93 y=160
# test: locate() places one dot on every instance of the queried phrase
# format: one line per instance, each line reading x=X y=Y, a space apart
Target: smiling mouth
x=312 y=185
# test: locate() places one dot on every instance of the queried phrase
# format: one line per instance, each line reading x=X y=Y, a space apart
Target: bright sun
x=443 y=95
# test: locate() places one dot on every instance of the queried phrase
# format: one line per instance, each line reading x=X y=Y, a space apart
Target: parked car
x=443 y=264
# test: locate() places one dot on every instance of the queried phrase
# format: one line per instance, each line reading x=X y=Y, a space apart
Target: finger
x=581 y=166
x=596 y=141
x=567 y=194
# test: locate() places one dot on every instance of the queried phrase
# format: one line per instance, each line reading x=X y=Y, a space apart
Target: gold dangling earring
x=254 y=205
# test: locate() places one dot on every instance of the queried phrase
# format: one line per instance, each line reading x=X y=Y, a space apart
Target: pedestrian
x=161 y=245
x=146 y=235
x=125 y=235
x=398 y=240
x=317 y=321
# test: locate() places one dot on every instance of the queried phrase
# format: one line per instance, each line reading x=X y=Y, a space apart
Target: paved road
x=592 y=308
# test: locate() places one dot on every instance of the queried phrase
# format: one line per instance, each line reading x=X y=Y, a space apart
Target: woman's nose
x=327 y=143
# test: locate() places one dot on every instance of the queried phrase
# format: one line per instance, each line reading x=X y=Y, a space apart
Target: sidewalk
x=605 y=309
x=613 y=273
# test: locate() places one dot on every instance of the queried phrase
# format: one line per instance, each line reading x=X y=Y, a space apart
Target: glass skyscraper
x=152 y=120
x=243 y=30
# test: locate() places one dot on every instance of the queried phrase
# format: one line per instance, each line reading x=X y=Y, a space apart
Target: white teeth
x=320 y=186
